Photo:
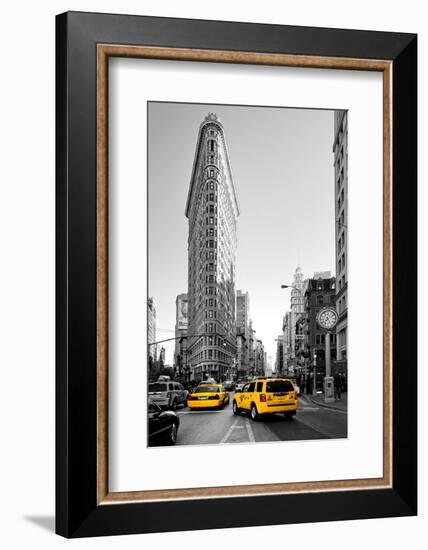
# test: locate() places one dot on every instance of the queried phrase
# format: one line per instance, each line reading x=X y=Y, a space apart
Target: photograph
x=247 y=269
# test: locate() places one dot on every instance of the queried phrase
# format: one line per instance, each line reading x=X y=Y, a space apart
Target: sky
x=282 y=168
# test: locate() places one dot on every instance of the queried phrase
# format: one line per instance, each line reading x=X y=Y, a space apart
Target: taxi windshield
x=206 y=389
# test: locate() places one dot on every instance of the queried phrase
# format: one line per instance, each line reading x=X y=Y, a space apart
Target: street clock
x=327 y=318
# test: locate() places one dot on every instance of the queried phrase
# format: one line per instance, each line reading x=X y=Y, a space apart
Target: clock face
x=327 y=318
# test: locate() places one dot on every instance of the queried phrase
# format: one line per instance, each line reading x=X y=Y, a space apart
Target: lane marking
x=250 y=432
x=229 y=431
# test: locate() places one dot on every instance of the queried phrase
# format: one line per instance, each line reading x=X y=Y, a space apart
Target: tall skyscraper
x=212 y=210
x=181 y=326
x=243 y=333
x=297 y=300
x=297 y=308
x=340 y=150
x=151 y=330
x=242 y=312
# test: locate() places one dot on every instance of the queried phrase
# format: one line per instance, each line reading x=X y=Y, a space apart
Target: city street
x=222 y=426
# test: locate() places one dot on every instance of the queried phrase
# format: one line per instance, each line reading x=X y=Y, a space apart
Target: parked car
x=208 y=396
x=163 y=425
x=167 y=394
x=267 y=396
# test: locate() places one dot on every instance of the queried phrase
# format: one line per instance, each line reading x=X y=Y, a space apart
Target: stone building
x=181 y=326
x=259 y=358
x=212 y=211
x=242 y=357
x=320 y=293
x=340 y=150
x=279 y=359
x=297 y=307
x=243 y=333
x=151 y=330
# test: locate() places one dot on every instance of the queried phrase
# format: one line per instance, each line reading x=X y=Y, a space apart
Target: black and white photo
x=247 y=273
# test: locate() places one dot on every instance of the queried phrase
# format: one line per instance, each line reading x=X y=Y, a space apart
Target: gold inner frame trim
x=104 y=51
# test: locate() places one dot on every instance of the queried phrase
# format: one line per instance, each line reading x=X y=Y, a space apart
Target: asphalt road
x=222 y=426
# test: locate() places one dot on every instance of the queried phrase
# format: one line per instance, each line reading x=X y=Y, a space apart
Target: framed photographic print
x=236 y=274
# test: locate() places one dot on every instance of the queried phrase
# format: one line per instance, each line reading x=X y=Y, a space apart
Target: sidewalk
x=338 y=404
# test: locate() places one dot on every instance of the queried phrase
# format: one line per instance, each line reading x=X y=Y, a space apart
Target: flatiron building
x=212 y=211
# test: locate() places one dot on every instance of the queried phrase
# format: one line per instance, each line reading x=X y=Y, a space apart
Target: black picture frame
x=78 y=513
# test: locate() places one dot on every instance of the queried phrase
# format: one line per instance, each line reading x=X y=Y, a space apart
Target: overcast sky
x=282 y=167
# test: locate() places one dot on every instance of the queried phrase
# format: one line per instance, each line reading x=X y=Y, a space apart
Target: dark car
x=229 y=385
x=163 y=425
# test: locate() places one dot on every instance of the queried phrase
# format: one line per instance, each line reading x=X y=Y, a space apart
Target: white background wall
x=27 y=89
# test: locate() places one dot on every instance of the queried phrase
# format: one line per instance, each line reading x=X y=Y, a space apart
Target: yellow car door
x=240 y=397
x=248 y=395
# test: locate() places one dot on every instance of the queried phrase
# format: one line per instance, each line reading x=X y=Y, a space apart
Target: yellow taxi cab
x=207 y=395
x=267 y=396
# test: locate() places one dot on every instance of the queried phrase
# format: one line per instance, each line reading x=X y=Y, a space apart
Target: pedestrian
x=309 y=385
x=302 y=384
x=337 y=386
x=343 y=377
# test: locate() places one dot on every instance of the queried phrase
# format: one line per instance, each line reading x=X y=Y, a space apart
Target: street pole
x=314 y=378
x=328 y=379
x=327 y=355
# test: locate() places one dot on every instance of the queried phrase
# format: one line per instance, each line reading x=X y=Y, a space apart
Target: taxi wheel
x=253 y=412
x=235 y=408
x=289 y=415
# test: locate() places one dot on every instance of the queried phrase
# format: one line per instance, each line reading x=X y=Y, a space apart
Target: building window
x=320 y=300
x=211 y=173
x=211 y=220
